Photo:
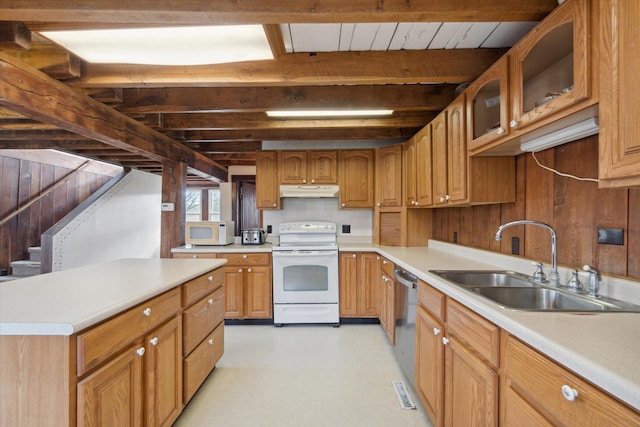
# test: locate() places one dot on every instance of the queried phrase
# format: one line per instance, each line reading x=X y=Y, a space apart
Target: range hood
x=312 y=191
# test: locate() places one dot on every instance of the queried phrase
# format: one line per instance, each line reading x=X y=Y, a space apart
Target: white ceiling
x=402 y=35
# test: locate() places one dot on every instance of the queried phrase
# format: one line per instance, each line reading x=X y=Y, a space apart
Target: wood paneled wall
x=575 y=209
x=23 y=180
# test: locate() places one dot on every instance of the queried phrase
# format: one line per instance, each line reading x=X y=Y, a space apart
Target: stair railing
x=60 y=182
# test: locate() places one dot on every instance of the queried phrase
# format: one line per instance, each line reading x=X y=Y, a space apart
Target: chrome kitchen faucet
x=554 y=278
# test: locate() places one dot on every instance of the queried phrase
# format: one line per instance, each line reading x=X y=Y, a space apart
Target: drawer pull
x=445 y=340
x=147 y=311
x=140 y=351
x=211 y=341
x=244 y=257
x=210 y=278
x=436 y=331
x=210 y=301
x=569 y=393
x=154 y=341
x=195 y=256
x=248 y=270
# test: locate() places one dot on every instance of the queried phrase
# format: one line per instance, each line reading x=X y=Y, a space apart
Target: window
x=193 y=205
x=214 y=204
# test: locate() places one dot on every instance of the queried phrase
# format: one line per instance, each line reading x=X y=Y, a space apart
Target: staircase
x=25 y=268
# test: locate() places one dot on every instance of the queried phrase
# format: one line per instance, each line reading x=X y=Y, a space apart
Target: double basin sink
x=517 y=291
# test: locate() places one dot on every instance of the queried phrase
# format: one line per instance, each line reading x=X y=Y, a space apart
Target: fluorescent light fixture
x=570 y=133
x=328 y=113
x=167 y=46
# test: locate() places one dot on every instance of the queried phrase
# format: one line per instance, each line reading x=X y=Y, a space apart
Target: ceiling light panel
x=167 y=46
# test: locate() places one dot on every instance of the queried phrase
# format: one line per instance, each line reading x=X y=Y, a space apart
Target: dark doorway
x=244 y=210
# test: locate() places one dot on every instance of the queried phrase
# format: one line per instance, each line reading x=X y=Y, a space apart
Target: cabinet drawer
x=99 y=343
x=431 y=299
x=387 y=267
x=539 y=381
x=192 y=255
x=247 y=259
x=479 y=334
x=200 y=319
x=197 y=288
x=201 y=361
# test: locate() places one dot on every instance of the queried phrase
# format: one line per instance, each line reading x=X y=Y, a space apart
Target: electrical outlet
x=346 y=228
x=515 y=246
x=611 y=236
x=269 y=229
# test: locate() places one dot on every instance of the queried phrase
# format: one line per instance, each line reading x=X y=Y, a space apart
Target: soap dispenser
x=574 y=283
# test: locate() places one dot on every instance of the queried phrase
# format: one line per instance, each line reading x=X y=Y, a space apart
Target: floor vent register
x=403 y=395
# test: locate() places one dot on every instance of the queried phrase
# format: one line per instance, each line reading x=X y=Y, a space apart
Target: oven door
x=305 y=276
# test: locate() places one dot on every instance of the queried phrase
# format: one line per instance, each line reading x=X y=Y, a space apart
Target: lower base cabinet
x=248 y=288
x=457 y=355
x=387 y=299
x=537 y=391
x=358 y=290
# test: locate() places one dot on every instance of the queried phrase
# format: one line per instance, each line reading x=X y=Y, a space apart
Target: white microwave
x=209 y=233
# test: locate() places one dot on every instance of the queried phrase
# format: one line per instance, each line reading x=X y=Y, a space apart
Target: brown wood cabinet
x=619 y=145
x=456 y=362
x=551 y=66
x=536 y=390
x=459 y=179
x=387 y=296
x=248 y=290
x=388 y=167
x=417 y=171
x=358 y=284
x=488 y=106
x=267 y=181
x=356 y=178
x=308 y=167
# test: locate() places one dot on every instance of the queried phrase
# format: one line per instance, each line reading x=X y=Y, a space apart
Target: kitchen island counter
x=65 y=302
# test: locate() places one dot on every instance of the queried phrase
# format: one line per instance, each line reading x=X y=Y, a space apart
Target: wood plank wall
x=23 y=180
x=575 y=209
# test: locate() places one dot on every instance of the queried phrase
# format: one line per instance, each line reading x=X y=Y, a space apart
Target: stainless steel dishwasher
x=406 y=302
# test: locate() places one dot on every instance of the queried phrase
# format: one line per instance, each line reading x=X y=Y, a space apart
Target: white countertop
x=65 y=302
x=235 y=247
x=604 y=348
x=601 y=347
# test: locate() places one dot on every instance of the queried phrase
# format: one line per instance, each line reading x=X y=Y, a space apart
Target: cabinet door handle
x=147 y=311
x=154 y=341
x=248 y=270
x=210 y=278
x=274 y=205
x=353 y=255
x=210 y=341
x=304 y=181
x=343 y=205
x=436 y=331
x=239 y=270
x=500 y=130
x=140 y=351
x=569 y=393
x=447 y=197
x=513 y=123
x=194 y=256
x=441 y=199
x=313 y=181
x=210 y=301
x=445 y=340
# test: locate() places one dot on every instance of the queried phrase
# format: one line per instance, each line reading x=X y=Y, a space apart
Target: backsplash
x=360 y=220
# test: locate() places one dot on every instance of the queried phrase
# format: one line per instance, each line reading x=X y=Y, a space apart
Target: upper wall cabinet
x=356 y=178
x=417 y=170
x=389 y=173
x=488 y=105
x=619 y=89
x=267 y=188
x=551 y=65
x=308 y=167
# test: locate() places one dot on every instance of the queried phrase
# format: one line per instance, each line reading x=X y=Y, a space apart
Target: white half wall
x=122 y=223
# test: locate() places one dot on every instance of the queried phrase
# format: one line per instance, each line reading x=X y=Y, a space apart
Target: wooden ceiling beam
x=202 y=12
x=234 y=99
x=33 y=144
x=226 y=147
x=230 y=121
x=390 y=133
x=50 y=135
x=51 y=60
x=297 y=69
x=14 y=35
x=29 y=92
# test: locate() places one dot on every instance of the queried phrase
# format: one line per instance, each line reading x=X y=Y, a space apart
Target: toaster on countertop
x=254 y=236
